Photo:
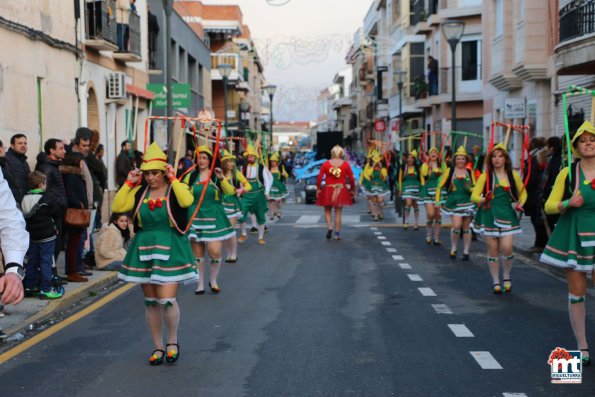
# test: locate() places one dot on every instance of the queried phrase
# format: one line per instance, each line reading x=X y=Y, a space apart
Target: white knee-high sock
x=260 y=232
x=243 y=231
x=576 y=309
x=154 y=321
x=215 y=266
x=200 y=264
x=171 y=314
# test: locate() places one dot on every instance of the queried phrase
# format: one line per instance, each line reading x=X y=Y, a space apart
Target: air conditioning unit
x=116 y=86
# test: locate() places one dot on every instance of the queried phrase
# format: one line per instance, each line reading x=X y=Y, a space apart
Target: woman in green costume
x=458 y=183
x=159 y=256
x=431 y=171
x=278 y=190
x=572 y=243
x=410 y=184
x=496 y=191
x=210 y=225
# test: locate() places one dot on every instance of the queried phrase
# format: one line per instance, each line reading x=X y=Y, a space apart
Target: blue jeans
x=38 y=271
x=122 y=37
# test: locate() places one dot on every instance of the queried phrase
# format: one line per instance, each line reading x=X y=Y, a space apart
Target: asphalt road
x=303 y=316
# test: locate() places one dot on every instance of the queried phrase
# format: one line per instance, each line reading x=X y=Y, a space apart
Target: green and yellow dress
x=497 y=217
x=375 y=182
x=459 y=201
x=431 y=180
x=278 y=189
x=572 y=243
x=211 y=222
x=410 y=183
x=231 y=202
x=158 y=253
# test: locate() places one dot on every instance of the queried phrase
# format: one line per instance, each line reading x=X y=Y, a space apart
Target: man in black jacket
x=16 y=160
x=123 y=163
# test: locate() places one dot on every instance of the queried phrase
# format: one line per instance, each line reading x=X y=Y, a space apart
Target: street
x=379 y=313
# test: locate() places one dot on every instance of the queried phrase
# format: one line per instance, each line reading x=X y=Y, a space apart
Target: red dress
x=335 y=192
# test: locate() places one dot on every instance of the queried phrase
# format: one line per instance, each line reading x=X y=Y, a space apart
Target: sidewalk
x=31 y=311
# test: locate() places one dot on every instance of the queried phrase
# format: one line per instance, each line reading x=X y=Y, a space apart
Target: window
x=396 y=11
x=470 y=60
x=499 y=14
x=192 y=74
x=174 y=71
x=182 y=72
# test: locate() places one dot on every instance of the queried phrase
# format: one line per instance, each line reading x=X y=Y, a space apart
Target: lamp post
x=453 y=31
x=270 y=90
x=225 y=71
x=244 y=118
x=400 y=84
x=168 y=8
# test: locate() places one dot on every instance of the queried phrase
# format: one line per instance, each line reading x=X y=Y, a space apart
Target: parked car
x=311 y=190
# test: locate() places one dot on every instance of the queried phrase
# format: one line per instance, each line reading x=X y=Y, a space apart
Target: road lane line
x=441 y=308
x=308 y=219
x=391 y=250
x=461 y=331
x=378 y=233
x=63 y=324
x=351 y=219
x=514 y=394
x=485 y=360
x=385 y=242
x=404 y=266
x=373 y=228
x=427 y=291
x=414 y=277
x=398 y=257
x=381 y=237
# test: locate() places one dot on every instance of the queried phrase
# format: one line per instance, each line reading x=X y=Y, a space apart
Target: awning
x=139 y=92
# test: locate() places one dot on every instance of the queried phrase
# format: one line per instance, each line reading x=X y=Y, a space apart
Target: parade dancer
x=231 y=202
x=210 y=226
x=572 y=243
x=458 y=183
x=410 y=183
x=255 y=201
x=335 y=194
x=376 y=186
x=496 y=191
x=159 y=256
x=278 y=189
x=431 y=171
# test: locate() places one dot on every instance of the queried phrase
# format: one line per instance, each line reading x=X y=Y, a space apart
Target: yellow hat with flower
x=204 y=149
x=461 y=151
x=154 y=159
x=413 y=153
x=250 y=151
x=500 y=146
x=585 y=127
x=274 y=157
x=226 y=155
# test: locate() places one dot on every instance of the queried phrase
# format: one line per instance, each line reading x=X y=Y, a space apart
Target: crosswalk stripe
x=414 y=277
x=381 y=237
x=514 y=395
x=461 y=331
x=427 y=291
x=385 y=243
x=391 y=250
x=308 y=219
x=398 y=257
x=485 y=360
x=404 y=266
x=441 y=309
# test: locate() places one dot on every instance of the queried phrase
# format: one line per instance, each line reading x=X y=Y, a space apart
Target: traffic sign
x=380 y=126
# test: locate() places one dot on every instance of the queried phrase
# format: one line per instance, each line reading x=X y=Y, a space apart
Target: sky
x=302 y=44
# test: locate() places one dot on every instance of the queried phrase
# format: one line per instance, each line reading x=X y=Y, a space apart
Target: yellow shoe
x=242 y=238
x=261 y=241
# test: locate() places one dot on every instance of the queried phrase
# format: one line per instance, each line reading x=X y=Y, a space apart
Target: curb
x=69 y=299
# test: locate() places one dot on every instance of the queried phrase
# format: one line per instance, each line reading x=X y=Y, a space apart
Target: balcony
x=469 y=86
x=230 y=59
x=460 y=8
x=576 y=52
x=129 y=41
x=100 y=29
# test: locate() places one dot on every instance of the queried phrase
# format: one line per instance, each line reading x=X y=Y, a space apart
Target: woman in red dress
x=335 y=194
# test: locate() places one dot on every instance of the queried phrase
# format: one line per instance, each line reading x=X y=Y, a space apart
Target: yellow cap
x=250 y=151
x=585 y=127
x=500 y=146
x=433 y=149
x=226 y=155
x=413 y=153
x=274 y=157
x=154 y=159
x=205 y=149
x=461 y=152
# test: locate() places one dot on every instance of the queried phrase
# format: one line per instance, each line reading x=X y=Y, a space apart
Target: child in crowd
x=111 y=244
x=39 y=207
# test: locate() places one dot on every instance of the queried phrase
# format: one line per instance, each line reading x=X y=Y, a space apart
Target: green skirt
x=232 y=206
x=278 y=190
x=211 y=223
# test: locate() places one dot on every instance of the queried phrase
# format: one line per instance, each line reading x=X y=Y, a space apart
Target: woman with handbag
x=159 y=256
x=77 y=216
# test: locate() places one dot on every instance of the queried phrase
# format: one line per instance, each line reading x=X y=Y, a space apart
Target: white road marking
x=427 y=291
x=414 y=277
x=404 y=266
x=385 y=242
x=461 y=331
x=391 y=250
x=441 y=309
x=398 y=257
x=485 y=360
x=351 y=219
x=378 y=233
x=373 y=228
x=381 y=237
x=514 y=394
x=308 y=219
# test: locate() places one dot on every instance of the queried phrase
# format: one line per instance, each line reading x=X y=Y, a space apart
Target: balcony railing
x=129 y=40
x=469 y=79
x=230 y=59
x=100 y=29
x=577 y=19
x=418 y=12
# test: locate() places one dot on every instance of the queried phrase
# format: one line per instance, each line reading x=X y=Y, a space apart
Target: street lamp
x=225 y=71
x=453 y=31
x=168 y=9
x=270 y=90
x=244 y=119
x=400 y=73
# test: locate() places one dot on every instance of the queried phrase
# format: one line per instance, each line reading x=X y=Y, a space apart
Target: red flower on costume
x=593 y=184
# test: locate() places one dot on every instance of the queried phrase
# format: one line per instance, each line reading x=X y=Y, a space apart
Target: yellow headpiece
x=154 y=159
x=250 y=151
x=433 y=149
x=227 y=156
x=274 y=157
x=413 y=153
x=377 y=157
x=461 y=152
x=500 y=146
x=205 y=149
x=585 y=127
